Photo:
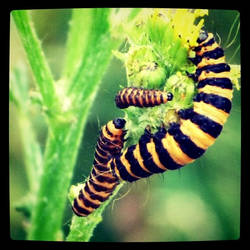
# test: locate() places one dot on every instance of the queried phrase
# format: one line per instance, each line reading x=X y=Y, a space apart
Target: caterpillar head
x=119 y=123
x=203 y=36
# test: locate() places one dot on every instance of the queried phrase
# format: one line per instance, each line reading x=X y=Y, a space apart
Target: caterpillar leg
x=193 y=76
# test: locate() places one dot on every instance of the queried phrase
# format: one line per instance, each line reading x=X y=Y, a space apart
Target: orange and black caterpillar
x=198 y=128
x=101 y=181
x=139 y=97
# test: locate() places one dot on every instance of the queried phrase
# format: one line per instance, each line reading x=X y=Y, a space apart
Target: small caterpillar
x=198 y=128
x=139 y=97
x=101 y=182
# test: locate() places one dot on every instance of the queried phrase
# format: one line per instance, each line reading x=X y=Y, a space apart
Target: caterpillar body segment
x=168 y=149
x=101 y=182
x=140 y=97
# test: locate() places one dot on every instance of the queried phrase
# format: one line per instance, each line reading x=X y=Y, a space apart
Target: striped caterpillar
x=198 y=127
x=139 y=97
x=101 y=182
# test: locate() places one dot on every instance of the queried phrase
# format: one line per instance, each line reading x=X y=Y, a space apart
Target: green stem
x=60 y=156
x=100 y=45
x=77 y=42
x=36 y=57
x=65 y=136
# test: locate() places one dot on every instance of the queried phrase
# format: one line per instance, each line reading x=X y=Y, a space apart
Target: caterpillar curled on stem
x=101 y=182
x=198 y=127
x=140 y=97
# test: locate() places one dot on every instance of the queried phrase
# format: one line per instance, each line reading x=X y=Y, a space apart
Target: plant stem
x=60 y=156
x=77 y=42
x=65 y=135
x=36 y=57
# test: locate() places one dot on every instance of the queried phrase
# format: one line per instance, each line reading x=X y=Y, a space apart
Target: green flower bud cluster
x=157 y=58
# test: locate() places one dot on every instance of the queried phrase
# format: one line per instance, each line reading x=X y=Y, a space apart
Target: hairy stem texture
x=36 y=57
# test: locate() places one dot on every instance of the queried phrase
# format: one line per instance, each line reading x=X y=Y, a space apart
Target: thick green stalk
x=99 y=45
x=60 y=156
x=65 y=135
x=76 y=44
x=36 y=58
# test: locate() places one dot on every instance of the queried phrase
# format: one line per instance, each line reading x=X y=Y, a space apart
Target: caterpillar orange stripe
x=101 y=182
x=139 y=97
x=198 y=128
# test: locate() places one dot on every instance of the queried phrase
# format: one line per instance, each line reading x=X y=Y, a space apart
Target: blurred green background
x=198 y=202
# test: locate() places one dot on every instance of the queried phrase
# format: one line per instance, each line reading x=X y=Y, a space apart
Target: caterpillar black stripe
x=198 y=128
x=101 y=182
x=139 y=97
